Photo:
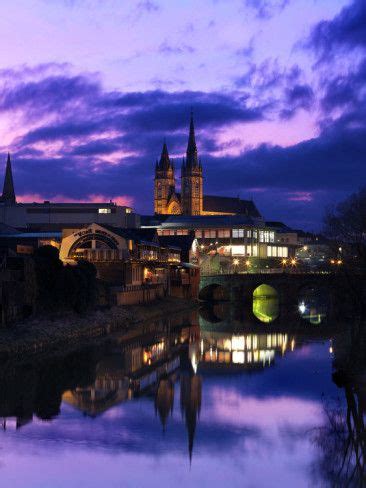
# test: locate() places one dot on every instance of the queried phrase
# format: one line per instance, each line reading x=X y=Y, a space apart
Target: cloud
x=169 y=49
x=266 y=9
x=81 y=140
x=346 y=31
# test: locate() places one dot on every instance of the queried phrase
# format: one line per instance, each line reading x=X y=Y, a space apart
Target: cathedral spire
x=192 y=156
x=8 y=195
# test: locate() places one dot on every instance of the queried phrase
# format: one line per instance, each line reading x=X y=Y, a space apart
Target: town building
x=50 y=216
x=136 y=266
x=192 y=200
x=230 y=243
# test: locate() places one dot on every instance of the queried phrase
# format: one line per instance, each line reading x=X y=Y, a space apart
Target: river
x=207 y=398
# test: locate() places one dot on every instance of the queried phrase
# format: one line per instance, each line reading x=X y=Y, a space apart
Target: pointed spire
x=8 y=195
x=164 y=158
x=192 y=156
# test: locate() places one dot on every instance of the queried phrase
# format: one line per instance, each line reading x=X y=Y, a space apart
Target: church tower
x=8 y=195
x=164 y=183
x=192 y=180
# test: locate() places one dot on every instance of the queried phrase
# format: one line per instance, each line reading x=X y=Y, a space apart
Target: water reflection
x=184 y=390
x=313 y=305
x=266 y=303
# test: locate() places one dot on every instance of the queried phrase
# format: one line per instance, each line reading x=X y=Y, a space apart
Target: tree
x=48 y=267
x=64 y=287
x=345 y=226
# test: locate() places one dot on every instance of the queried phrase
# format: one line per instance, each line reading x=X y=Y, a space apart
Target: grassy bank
x=58 y=332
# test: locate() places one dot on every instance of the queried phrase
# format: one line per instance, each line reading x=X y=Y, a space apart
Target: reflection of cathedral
x=190 y=404
x=191 y=200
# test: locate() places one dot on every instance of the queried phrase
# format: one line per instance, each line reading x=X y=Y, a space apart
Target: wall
x=135 y=295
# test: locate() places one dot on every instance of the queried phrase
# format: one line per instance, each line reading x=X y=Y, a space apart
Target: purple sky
x=90 y=88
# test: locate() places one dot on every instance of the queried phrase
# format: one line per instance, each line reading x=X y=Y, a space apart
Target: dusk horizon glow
x=90 y=90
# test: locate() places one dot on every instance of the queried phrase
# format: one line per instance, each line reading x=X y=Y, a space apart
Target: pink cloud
x=300 y=196
x=124 y=200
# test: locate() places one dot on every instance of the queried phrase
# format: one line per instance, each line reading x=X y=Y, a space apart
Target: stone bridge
x=290 y=287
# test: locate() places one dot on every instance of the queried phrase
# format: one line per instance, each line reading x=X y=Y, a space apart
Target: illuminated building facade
x=230 y=237
x=133 y=261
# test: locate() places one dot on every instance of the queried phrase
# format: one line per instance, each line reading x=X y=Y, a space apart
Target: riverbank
x=60 y=332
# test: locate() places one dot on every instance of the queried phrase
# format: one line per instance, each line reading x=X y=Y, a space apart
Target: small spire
x=8 y=195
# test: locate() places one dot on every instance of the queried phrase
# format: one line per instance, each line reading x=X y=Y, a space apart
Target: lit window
x=128 y=210
x=104 y=210
x=238 y=233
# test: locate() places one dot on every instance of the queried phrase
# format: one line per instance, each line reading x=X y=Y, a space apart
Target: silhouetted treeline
x=345 y=226
x=62 y=287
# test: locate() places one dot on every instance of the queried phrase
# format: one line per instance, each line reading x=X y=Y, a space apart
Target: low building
x=50 y=216
x=232 y=240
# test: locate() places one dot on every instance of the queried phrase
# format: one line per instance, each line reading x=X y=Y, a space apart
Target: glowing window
x=104 y=210
x=238 y=357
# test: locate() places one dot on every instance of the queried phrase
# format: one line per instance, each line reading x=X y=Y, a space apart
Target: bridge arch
x=266 y=303
x=214 y=292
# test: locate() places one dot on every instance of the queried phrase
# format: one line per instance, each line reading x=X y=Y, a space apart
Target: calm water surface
x=207 y=399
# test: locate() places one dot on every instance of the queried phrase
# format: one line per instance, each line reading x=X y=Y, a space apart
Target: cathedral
x=191 y=200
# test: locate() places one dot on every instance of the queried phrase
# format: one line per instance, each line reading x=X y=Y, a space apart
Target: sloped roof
x=212 y=203
x=182 y=242
x=209 y=221
x=148 y=236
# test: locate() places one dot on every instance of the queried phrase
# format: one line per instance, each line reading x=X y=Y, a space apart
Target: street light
x=235 y=262
x=293 y=262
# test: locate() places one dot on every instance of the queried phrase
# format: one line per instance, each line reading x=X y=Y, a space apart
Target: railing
x=266 y=271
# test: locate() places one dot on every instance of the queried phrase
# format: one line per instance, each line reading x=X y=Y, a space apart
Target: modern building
x=192 y=200
x=230 y=239
x=50 y=216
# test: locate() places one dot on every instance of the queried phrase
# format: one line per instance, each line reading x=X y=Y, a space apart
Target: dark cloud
x=346 y=31
x=296 y=97
x=92 y=142
x=345 y=91
x=266 y=9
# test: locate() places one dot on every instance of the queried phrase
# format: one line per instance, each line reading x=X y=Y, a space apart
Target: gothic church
x=191 y=200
